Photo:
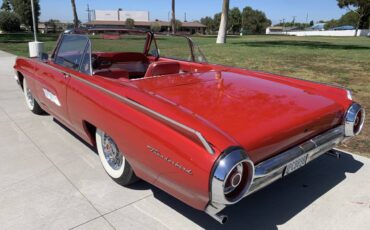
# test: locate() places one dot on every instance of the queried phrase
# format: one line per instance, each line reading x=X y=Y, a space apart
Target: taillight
x=232 y=177
x=354 y=120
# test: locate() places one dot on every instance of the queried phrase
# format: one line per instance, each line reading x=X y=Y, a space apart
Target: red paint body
x=263 y=113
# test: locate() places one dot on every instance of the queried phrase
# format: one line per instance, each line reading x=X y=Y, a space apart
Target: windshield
x=177 y=47
x=71 y=51
x=119 y=42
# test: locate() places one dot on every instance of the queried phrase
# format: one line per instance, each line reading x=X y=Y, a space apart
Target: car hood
x=265 y=116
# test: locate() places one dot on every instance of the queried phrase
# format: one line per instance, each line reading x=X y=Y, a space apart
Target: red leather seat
x=113 y=73
x=162 y=68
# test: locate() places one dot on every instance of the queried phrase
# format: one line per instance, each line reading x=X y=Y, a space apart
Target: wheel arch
x=20 y=78
x=90 y=130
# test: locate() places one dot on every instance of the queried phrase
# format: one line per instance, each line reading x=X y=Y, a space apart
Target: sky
x=276 y=10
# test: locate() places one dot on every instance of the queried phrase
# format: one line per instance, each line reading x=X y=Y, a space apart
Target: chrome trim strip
x=126 y=100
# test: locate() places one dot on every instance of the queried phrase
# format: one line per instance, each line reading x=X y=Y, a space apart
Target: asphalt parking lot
x=49 y=179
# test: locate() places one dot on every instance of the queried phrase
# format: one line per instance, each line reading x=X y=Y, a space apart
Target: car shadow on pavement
x=273 y=205
x=277 y=203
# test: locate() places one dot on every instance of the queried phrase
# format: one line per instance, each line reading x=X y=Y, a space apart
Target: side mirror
x=44 y=57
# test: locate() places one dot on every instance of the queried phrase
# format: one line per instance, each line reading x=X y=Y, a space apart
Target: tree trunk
x=173 y=21
x=358 y=24
x=221 y=38
x=75 y=16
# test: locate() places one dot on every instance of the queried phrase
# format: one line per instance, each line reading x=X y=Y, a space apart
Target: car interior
x=125 y=66
x=122 y=66
x=131 y=65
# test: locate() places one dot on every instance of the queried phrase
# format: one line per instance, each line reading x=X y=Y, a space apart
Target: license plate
x=296 y=164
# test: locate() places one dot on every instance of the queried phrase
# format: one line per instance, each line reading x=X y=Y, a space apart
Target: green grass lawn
x=340 y=60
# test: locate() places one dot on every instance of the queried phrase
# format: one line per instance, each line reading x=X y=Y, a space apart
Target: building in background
x=119 y=15
x=116 y=19
x=53 y=27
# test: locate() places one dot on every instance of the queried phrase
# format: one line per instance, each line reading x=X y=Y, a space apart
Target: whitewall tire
x=112 y=159
x=30 y=100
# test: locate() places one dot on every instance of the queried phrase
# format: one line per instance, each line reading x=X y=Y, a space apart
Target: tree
x=312 y=23
x=52 y=23
x=295 y=25
x=6 y=6
x=221 y=38
x=348 y=19
x=155 y=27
x=23 y=9
x=178 y=25
x=130 y=23
x=235 y=20
x=75 y=16
x=173 y=20
x=331 y=24
x=216 y=21
x=9 y=21
x=254 y=21
x=360 y=7
x=208 y=22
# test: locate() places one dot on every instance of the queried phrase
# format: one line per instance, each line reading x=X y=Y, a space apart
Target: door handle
x=66 y=75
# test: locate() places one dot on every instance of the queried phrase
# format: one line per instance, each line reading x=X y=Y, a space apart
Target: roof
x=141 y=23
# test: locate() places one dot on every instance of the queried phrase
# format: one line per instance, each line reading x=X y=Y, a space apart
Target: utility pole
x=35 y=48
x=88 y=13
x=284 y=25
x=293 y=22
x=185 y=17
x=34 y=21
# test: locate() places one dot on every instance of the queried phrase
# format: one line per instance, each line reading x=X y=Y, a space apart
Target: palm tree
x=75 y=16
x=221 y=38
x=173 y=21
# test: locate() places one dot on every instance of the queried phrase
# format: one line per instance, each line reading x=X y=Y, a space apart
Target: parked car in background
x=316 y=27
x=207 y=134
x=344 y=28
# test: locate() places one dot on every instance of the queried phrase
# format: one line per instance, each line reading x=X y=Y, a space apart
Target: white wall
x=106 y=15
x=112 y=15
x=343 y=33
x=140 y=16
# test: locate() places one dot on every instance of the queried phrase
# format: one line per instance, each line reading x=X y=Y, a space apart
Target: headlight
x=232 y=177
x=354 y=120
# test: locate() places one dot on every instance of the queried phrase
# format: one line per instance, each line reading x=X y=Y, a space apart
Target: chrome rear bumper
x=273 y=169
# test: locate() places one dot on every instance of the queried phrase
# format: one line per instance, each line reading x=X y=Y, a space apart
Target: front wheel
x=30 y=100
x=113 y=160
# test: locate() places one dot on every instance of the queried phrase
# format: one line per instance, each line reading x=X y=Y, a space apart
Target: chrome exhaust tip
x=222 y=219
x=333 y=153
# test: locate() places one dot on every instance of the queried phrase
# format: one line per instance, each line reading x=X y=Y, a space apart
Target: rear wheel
x=113 y=160
x=30 y=100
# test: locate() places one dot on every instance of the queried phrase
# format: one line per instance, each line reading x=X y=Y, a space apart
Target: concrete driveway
x=49 y=179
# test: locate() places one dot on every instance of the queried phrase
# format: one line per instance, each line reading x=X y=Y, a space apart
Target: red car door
x=54 y=75
x=52 y=89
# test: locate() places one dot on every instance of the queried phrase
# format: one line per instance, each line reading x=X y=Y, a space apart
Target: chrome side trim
x=135 y=104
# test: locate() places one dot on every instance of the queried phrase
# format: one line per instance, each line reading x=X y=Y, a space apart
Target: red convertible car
x=207 y=134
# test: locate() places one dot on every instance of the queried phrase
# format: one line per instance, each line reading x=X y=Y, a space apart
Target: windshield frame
x=192 y=47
